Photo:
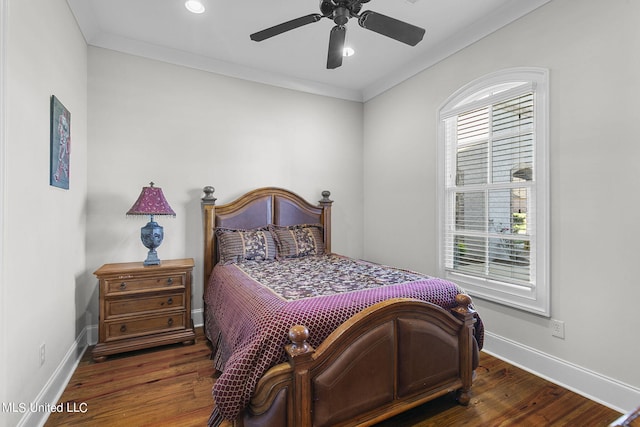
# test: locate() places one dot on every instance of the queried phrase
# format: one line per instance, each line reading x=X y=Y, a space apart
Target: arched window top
x=502 y=84
x=489 y=92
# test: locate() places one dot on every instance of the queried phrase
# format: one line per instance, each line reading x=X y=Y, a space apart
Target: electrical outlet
x=42 y=354
x=557 y=328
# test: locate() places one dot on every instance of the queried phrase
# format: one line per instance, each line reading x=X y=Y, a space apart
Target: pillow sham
x=235 y=245
x=298 y=240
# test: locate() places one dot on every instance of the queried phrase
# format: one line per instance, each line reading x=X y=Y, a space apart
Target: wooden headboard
x=258 y=208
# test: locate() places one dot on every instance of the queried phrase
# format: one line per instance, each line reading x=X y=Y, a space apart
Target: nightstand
x=144 y=306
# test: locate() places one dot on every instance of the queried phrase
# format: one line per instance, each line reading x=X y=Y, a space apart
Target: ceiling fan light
x=194 y=6
x=348 y=51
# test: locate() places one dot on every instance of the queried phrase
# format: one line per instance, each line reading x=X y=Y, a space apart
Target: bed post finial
x=298 y=334
x=208 y=195
x=325 y=197
x=464 y=305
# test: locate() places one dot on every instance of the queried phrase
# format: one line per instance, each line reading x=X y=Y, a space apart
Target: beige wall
x=43 y=227
x=594 y=151
x=184 y=129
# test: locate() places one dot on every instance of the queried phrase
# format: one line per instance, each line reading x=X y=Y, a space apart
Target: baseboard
x=53 y=389
x=198 y=317
x=92 y=334
x=592 y=385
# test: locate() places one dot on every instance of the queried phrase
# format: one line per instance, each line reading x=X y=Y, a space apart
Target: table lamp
x=151 y=202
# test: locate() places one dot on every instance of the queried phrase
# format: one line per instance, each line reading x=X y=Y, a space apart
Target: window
x=493 y=188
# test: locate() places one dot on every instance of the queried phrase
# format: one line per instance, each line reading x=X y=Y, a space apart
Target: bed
x=350 y=343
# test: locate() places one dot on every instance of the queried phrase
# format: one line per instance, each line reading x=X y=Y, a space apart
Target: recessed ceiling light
x=348 y=51
x=194 y=6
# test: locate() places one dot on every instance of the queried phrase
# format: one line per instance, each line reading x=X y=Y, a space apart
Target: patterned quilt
x=251 y=306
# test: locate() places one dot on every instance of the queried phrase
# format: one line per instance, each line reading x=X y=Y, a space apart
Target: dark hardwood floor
x=171 y=386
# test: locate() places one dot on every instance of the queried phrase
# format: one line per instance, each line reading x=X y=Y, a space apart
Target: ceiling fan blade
x=336 y=46
x=390 y=27
x=285 y=26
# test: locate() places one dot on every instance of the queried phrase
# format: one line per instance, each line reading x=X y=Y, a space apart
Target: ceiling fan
x=340 y=11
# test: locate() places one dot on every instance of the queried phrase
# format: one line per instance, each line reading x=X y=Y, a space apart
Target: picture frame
x=60 y=144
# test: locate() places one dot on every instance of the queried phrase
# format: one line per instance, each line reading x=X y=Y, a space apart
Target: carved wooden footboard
x=390 y=357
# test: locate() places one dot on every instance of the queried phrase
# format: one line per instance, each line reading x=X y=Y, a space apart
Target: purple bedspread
x=256 y=321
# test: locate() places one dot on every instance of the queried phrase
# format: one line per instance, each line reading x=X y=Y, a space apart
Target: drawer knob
x=123 y=286
x=170 y=281
x=123 y=328
x=170 y=321
x=170 y=301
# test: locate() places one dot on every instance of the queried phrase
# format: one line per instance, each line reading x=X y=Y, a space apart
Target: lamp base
x=152 y=258
x=152 y=235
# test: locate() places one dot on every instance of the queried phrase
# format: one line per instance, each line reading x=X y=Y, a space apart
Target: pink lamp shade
x=151 y=202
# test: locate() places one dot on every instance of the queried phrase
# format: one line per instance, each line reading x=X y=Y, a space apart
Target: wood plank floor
x=171 y=386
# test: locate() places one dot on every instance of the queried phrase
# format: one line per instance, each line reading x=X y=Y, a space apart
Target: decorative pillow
x=298 y=240
x=236 y=245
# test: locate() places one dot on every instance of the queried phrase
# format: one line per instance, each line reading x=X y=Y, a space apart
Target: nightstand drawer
x=124 y=306
x=144 y=326
x=126 y=284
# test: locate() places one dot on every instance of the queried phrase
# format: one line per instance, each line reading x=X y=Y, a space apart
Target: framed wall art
x=60 y=144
